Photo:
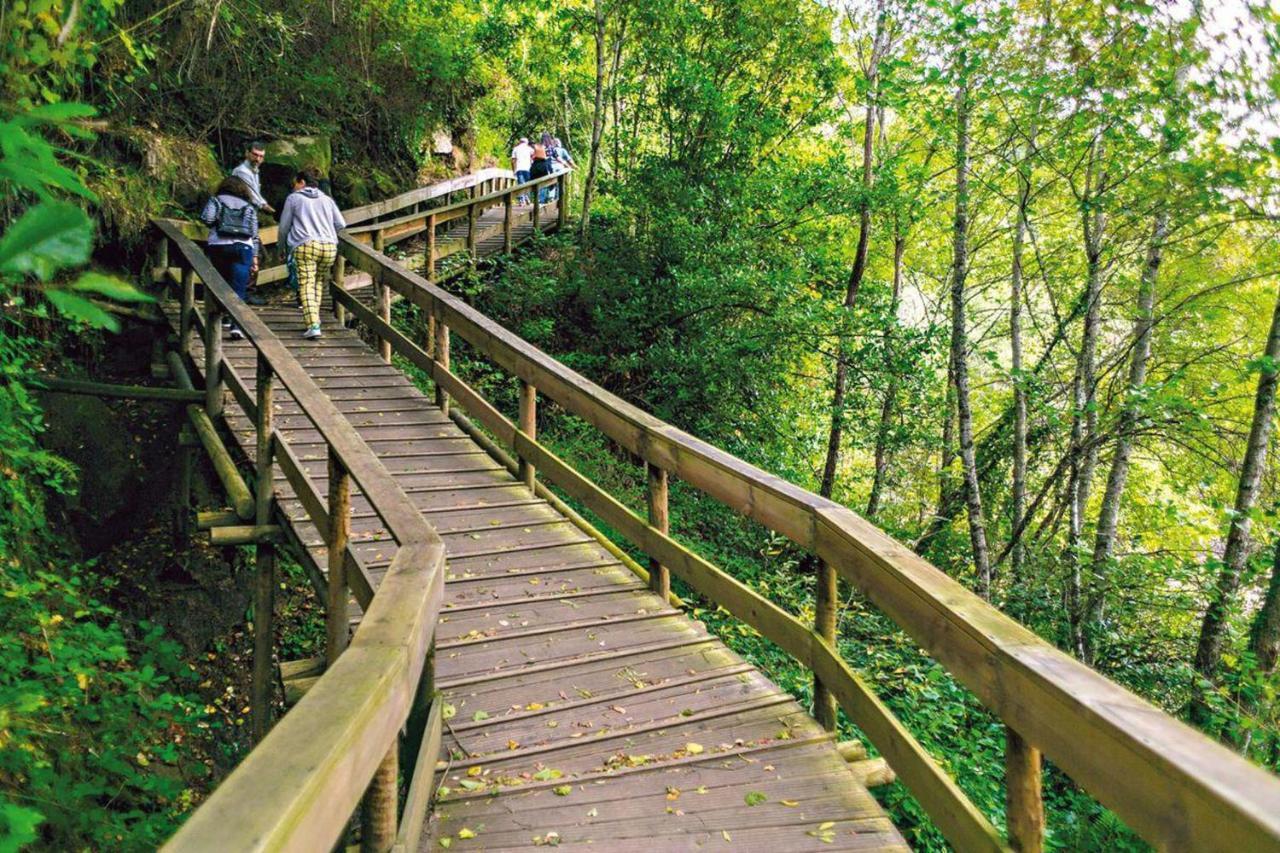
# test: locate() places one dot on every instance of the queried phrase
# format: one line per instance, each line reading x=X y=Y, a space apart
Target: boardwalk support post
x=1024 y=803
x=431 y=248
x=384 y=297
x=472 y=230
x=508 y=203
x=340 y=282
x=264 y=559
x=537 y=207
x=185 y=320
x=380 y=802
x=562 y=200
x=337 y=624
x=442 y=358
x=213 y=387
x=827 y=600
x=660 y=518
x=528 y=426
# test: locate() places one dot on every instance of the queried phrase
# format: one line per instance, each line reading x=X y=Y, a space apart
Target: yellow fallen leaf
x=475 y=771
x=823 y=827
x=693 y=748
x=791 y=804
x=465 y=833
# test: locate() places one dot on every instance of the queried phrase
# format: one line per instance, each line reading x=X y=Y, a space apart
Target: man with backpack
x=233 y=243
x=309 y=226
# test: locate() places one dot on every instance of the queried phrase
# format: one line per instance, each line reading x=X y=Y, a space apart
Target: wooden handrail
x=298 y=788
x=1176 y=787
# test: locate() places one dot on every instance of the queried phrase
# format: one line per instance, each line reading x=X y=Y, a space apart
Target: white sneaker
x=235 y=334
x=312 y=333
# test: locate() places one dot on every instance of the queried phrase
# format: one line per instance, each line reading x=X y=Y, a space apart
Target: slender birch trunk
x=890 y=402
x=1264 y=635
x=1213 y=629
x=597 y=123
x=959 y=343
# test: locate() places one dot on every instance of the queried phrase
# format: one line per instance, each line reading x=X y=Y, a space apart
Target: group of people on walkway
x=530 y=162
x=308 y=229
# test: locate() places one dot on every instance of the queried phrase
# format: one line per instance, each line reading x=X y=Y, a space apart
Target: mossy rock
x=286 y=156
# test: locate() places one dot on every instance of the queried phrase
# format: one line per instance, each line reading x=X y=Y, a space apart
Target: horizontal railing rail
x=1173 y=785
x=300 y=785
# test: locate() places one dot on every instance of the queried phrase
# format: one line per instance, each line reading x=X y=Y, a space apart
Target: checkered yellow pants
x=313 y=261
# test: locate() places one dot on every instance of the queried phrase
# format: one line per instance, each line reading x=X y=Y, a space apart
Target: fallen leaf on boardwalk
x=593 y=813
x=446 y=843
x=511 y=744
x=479 y=715
x=534 y=706
x=701 y=789
x=551 y=724
x=693 y=748
x=466 y=833
x=823 y=827
x=673 y=793
x=768 y=768
x=475 y=771
x=791 y=804
x=725 y=834
x=618 y=708
x=755 y=798
x=546 y=774
x=562 y=790
x=448 y=711
x=470 y=784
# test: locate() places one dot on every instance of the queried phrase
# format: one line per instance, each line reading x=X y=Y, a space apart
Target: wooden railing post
x=537 y=207
x=508 y=203
x=442 y=358
x=431 y=248
x=562 y=200
x=472 y=230
x=824 y=701
x=384 y=312
x=1024 y=805
x=264 y=559
x=213 y=387
x=337 y=625
x=186 y=320
x=659 y=517
x=528 y=426
x=340 y=282
x=378 y=833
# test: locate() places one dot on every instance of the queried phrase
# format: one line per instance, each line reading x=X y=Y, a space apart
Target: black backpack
x=234 y=221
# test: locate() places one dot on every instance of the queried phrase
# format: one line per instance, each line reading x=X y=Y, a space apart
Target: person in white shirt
x=521 y=163
x=247 y=171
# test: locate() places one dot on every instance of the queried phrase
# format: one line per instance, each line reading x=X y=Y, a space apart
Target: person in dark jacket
x=233 y=244
x=541 y=168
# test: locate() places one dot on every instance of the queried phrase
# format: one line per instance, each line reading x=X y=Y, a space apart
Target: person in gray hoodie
x=309 y=226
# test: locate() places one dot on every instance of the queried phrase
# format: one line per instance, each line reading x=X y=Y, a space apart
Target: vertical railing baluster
x=824 y=618
x=528 y=426
x=472 y=230
x=431 y=248
x=508 y=203
x=340 y=283
x=378 y=823
x=264 y=558
x=213 y=385
x=562 y=200
x=659 y=517
x=383 y=295
x=337 y=624
x=442 y=358
x=186 y=320
x=1023 y=794
x=537 y=212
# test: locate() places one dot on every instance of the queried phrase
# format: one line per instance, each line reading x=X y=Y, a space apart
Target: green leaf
x=78 y=308
x=546 y=774
x=755 y=798
x=111 y=287
x=65 y=111
x=49 y=237
x=562 y=790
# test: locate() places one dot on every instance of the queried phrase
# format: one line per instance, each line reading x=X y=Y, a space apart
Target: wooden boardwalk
x=585 y=710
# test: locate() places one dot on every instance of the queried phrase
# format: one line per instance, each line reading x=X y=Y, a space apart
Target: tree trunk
x=856 y=274
x=597 y=124
x=959 y=344
x=891 y=393
x=1213 y=629
x=1109 y=512
x=1264 y=636
x=1018 y=488
x=1084 y=415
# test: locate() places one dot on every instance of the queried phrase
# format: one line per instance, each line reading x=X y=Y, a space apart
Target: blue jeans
x=234 y=262
x=522 y=177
